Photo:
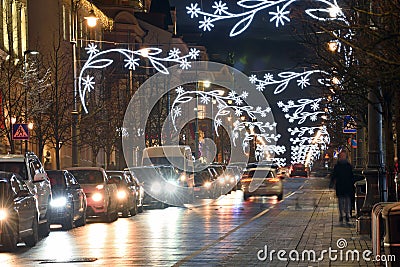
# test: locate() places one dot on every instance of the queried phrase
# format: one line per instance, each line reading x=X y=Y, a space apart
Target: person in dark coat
x=342 y=179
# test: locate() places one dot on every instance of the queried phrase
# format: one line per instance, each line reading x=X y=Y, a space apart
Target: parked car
x=69 y=204
x=261 y=181
x=19 y=213
x=298 y=169
x=127 y=192
x=101 y=196
x=139 y=189
x=32 y=173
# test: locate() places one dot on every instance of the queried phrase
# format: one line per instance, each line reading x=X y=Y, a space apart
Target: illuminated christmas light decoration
x=237 y=108
x=264 y=152
x=300 y=154
x=278 y=11
x=223 y=107
x=303 y=80
x=300 y=113
x=97 y=60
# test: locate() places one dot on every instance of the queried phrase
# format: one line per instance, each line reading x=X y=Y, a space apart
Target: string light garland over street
x=277 y=9
x=98 y=60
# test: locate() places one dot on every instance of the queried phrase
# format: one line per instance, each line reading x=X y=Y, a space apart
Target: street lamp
x=26 y=53
x=75 y=114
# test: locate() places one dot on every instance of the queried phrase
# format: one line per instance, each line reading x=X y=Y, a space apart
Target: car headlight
x=207 y=184
x=3 y=214
x=58 y=202
x=121 y=194
x=97 y=197
x=182 y=177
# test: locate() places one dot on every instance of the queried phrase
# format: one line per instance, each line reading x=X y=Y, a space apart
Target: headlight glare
x=58 y=202
x=3 y=214
x=97 y=197
x=121 y=194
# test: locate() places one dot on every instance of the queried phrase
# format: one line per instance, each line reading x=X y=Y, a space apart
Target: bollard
x=391 y=241
x=378 y=226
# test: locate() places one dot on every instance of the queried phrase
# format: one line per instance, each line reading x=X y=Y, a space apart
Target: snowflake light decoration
x=231 y=104
x=303 y=80
x=300 y=112
x=278 y=11
x=223 y=106
x=98 y=60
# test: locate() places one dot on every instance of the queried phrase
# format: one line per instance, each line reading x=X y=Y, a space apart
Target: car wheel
x=280 y=196
x=10 y=237
x=125 y=213
x=81 y=221
x=68 y=223
x=140 y=208
x=134 y=210
x=31 y=240
x=44 y=229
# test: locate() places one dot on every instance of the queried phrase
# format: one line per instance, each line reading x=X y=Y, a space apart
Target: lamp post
x=26 y=53
x=92 y=20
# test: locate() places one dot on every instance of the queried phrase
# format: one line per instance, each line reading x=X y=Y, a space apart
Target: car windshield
x=168 y=172
x=56 y=179
x=299 y=167
x=201 y=177
x=117 y=179
x=88 y=176
x=15 y=167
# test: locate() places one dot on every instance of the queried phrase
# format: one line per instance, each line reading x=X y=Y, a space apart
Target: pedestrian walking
x=342 y=179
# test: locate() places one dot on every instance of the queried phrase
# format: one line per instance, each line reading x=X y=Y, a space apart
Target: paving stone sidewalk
x=304 y=223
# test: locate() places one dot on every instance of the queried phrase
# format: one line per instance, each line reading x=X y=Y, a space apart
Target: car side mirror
x=39 y=177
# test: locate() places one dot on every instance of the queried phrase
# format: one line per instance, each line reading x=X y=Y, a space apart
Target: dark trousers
x=344 y=207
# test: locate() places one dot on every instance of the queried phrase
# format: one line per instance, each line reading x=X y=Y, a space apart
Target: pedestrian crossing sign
x=20 y=131
x=349 y=125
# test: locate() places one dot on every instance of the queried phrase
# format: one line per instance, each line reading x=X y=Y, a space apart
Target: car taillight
x=246 y=180
x=273 y=180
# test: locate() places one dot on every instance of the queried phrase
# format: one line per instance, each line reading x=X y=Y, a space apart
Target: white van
x=178 y=156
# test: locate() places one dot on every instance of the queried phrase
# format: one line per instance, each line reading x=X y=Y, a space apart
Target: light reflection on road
x=159 y=237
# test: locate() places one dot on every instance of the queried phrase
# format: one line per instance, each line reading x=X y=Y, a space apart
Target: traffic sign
x=349 y=125
x=20 y=131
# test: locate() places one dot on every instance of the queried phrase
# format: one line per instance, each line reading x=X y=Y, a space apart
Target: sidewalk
x=305 y=222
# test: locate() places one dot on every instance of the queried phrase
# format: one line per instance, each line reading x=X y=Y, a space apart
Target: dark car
x=298 y=169
x=139 y=189
x=127 y=194
x=68 y=206
x=19 y=213
x=204 y=184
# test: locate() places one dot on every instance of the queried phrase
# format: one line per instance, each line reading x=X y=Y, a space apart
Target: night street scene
x=199 y=133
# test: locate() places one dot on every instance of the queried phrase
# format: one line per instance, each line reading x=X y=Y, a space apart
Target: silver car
x=261 y=181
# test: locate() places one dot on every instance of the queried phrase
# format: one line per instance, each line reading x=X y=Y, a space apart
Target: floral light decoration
x=98 y=60
x=239 y=108
x=278 y=11
x=303 y=80
x=300 y=112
